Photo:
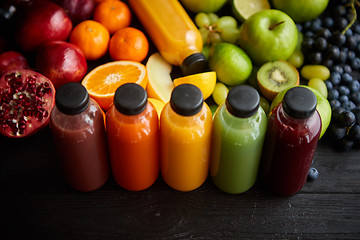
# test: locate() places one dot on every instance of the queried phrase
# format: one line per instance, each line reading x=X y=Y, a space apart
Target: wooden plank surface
x=35 y=202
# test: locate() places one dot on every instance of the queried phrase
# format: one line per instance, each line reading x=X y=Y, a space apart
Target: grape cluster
x=215 y=29
x=333 y=40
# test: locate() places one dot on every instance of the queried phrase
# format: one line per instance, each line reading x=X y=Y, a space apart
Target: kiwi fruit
x=273 y=77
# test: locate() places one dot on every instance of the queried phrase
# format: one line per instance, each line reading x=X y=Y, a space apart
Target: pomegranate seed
x=48 y=90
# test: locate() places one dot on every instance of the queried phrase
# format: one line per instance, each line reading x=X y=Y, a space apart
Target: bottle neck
x=313 y=122
x=287 y=117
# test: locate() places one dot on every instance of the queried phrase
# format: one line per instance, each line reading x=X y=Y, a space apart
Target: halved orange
x=103 y=80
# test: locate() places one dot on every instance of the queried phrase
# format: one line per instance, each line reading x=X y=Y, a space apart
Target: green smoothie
x=237 y=146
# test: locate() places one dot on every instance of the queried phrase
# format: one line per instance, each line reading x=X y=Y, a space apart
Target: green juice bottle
x=238 y=135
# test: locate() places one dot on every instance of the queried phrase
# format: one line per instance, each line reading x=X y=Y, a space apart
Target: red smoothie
x=80 y=142
x=289 y=149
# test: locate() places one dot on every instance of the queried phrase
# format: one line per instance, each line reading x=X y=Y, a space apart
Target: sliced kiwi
x=273 y=77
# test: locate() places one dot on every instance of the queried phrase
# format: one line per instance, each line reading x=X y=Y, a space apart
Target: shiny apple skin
x=61 y=62
x=12 y=60
x=41 y=22
x=77 y=10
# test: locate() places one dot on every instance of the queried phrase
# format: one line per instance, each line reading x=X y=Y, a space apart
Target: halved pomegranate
x=26 y=101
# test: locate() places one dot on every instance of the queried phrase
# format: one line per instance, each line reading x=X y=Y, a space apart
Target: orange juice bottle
x=185 y=139
x=132 y=128
x=173 y=32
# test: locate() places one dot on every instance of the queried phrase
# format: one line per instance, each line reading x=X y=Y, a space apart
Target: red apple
x=77 y=10
x=12 y=60
x=41 y=22
x=61 y=62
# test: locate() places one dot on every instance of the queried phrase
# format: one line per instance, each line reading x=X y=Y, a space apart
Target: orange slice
x=103 y=80
x=205 y=81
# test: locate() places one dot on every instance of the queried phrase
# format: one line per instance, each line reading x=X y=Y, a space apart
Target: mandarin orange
x=92 y=38
x=113 y=14
x=129 y=44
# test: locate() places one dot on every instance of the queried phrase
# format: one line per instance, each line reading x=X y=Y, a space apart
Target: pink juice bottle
x=78 y=130
x=293 y=132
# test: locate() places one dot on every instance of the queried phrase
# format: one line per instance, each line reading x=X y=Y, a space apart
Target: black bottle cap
x=186 y=99
x=195 y=63
x=130 y=99
x=71 y=98
x=299 y=102
x=242 y=101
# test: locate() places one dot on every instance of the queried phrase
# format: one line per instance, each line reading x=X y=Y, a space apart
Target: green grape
x=296 y=58
x=315 y=71
x=300 y=40
x=204 y=32
x=319 y=85
x=213 y=108
x=215 y=37
x=226 y=22
x=264 y=103
x=230 y=35
x=252 y=80
x=206 y=51
x=213 y=18
x=202 y=20
x=220 y=93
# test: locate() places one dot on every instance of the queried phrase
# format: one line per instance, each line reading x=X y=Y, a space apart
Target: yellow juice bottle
x=185 y=139
x=173 y=32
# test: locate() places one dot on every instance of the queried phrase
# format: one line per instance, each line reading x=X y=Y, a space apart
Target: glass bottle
x=293 y=132
x=132 y=127
x=77 y=125
x=238 y=135
x=185 y=139
x=173 y=32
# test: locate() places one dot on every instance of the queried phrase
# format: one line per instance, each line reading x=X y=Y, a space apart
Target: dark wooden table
x=35 y=203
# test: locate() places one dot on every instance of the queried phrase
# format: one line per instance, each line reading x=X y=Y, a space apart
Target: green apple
x=301 y=10
x=323 y=106
x=231 y=64
x=207 y=6
x=268 y=35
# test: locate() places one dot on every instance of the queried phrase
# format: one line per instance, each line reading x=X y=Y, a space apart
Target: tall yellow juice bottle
x=185 y=139
x=173 y=32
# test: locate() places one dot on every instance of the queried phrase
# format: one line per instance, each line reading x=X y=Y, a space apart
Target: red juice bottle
x=77 y=125
x=293 y=132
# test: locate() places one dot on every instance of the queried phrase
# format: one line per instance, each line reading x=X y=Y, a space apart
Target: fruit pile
x=327 y=56
x=333 y=40
x=56 y=40
x=271 y=45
